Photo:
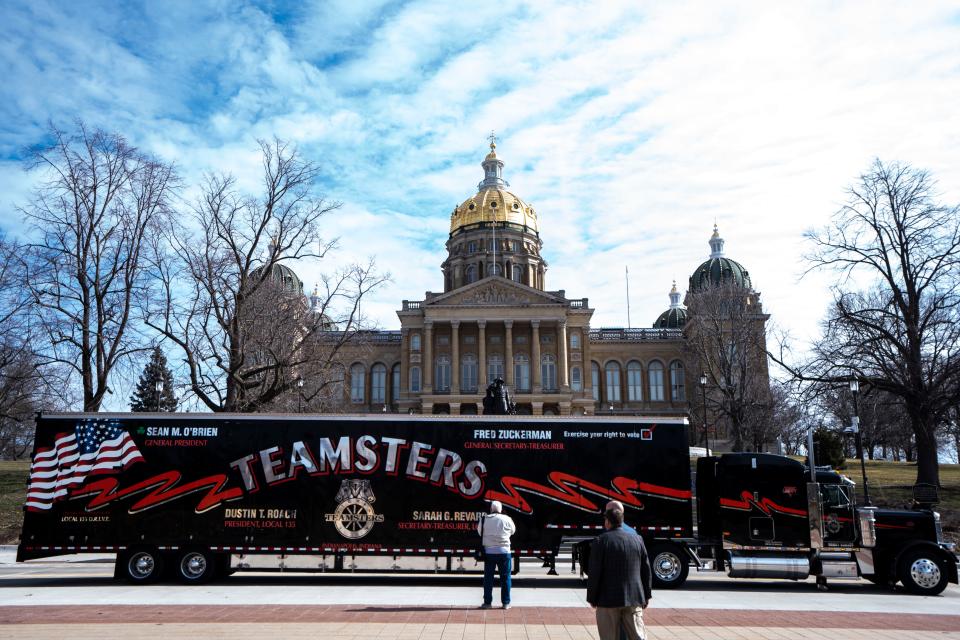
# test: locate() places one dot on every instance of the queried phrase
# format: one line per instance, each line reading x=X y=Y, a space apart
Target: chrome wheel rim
x=141 y=565
x=666 y=566
x=925 y=573
x=193 y=565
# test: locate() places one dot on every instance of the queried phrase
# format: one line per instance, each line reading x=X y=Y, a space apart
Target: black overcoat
x=620 y=573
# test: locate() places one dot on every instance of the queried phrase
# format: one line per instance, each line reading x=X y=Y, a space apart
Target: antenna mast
x=493 y=145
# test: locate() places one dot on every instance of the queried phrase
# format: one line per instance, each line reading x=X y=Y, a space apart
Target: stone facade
x=495 y=318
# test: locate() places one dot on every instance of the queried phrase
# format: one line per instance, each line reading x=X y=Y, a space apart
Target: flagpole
x=627 y=270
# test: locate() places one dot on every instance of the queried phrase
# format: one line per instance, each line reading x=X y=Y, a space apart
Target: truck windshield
x=834 y=495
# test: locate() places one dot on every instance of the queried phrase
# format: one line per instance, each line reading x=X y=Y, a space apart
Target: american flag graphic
x=94 y=447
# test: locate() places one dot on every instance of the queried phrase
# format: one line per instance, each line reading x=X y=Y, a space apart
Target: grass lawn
x=13 y=493
x=891 y=485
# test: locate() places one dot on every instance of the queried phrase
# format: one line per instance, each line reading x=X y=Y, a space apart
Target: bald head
x=496 y=507
x=614 y=505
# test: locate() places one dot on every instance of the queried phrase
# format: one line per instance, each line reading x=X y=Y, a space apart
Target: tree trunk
x=928 y=467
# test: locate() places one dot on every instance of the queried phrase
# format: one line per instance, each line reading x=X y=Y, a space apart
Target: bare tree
x=20 y=383
x=226 y=297
x=726 y=340
x=952 y=433
x=785 y=420
x=894 y=323
x=99 y=199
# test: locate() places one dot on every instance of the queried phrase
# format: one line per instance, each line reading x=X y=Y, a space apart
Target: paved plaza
x=75 y=597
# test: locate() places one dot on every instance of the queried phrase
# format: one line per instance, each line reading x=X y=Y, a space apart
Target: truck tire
x=922 y=572
x=196 y=566
x=141 y=566
x=669 y=564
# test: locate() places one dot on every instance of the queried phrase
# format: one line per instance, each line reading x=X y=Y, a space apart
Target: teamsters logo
x=354 y=516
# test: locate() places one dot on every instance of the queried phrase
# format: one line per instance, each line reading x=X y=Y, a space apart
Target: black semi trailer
x=188 y=492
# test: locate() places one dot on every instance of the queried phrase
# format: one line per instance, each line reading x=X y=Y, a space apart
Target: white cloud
x=630 y=129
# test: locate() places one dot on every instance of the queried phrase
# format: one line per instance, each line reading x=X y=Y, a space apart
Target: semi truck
x=194 y=496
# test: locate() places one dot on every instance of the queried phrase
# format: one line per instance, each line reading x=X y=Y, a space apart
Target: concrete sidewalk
x=450 y=623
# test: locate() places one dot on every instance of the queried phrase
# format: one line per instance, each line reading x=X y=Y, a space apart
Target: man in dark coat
x=620 y=582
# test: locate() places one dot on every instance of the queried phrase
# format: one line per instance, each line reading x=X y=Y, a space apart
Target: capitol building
x=496 y=318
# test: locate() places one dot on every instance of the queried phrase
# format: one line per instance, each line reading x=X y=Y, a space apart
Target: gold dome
x=493 y=204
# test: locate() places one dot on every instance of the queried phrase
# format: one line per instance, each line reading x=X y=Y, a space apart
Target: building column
x=562 y=357
x=455 y=358
x=535 y=357
x=482 y=356
x=587 y=364
x=427 y=357
x=404 y=364
x=508 y=354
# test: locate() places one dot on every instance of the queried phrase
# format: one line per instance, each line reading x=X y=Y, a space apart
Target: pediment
x=494 y=292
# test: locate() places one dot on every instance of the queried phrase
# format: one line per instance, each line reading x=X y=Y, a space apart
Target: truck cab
x=763 y=516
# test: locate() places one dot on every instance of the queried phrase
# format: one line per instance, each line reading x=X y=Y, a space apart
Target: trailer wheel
x=196 y=566
x=922 y=572
x=141 y=566
x=670 y=566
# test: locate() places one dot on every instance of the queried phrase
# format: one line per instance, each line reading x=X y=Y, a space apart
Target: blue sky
x=630 y=127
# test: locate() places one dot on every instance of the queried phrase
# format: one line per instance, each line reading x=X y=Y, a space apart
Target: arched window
x=378 y=384
x=595 y=380
x=518 y=273
x=395 y=384
x=357 y=384
x=415 y=342
x=575 y=340
x=655 y=371
x=494 y=367
x=521 y=372
x=495 y=269
x=613 y=382
x=471 y=273
x=443 y=373
x=548 y=372
x=415 y=379
x=678 y=391
x=576 y=379
x=634 y=381
x=468 y=373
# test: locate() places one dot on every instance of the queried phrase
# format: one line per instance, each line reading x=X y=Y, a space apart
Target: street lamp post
x=855 y=427
x=299 y=395
x=703 y=393
x=159 y=388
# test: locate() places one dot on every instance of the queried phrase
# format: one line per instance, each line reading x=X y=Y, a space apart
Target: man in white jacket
x=495 y=530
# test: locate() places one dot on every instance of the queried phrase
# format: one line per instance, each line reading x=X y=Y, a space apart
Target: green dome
x=283 y=276
x=674 y=317
x=671 y=319
x=718 y=269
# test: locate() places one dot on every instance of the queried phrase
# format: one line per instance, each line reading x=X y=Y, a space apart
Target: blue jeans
x=500 y=562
